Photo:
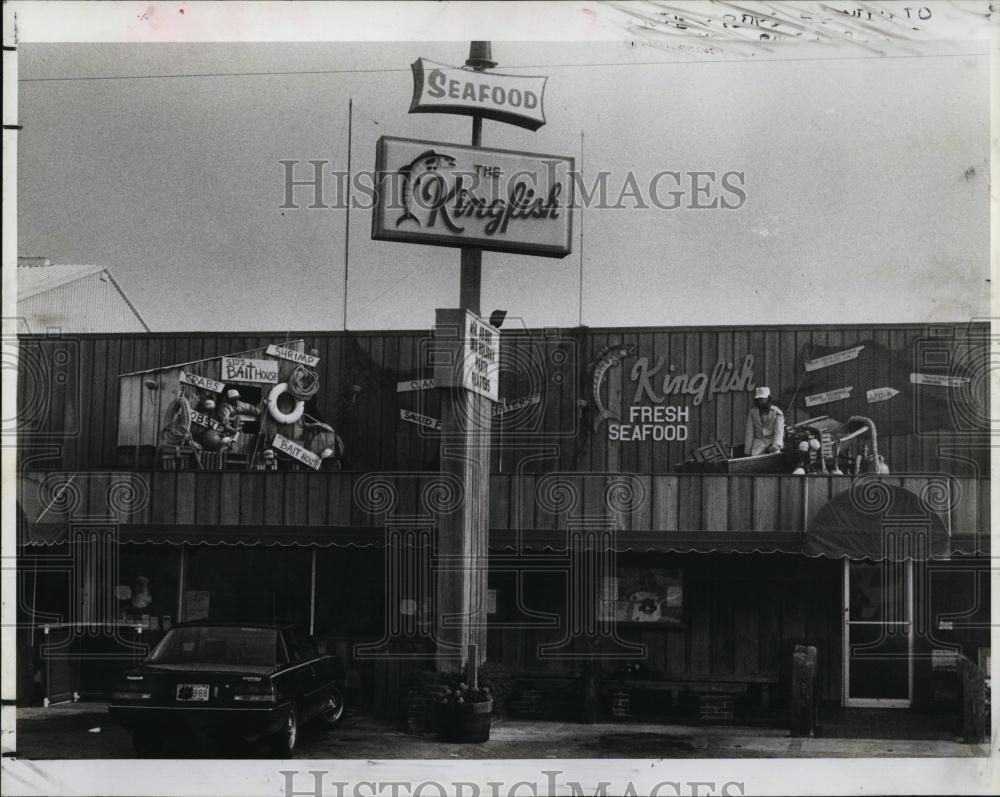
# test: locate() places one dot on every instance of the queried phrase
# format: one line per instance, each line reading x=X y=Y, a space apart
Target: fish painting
x=429 y=162
x=606 y=359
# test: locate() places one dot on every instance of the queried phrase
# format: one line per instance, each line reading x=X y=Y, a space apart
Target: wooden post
x=973 y=686
x=803 y=704
x=464 y=534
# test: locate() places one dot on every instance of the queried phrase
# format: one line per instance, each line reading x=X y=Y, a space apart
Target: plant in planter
x=499 y=681
x=463 y=714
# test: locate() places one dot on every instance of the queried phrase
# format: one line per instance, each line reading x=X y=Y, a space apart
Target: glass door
x=878 y=634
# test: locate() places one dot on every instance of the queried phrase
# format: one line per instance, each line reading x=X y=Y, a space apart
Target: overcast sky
x=866 y=182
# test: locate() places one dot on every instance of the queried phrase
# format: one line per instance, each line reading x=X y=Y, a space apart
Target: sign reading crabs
x=451 y=195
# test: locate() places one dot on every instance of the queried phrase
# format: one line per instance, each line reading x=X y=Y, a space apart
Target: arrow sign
x=420 y=420
x=832 y=359
x=881 y=394
x=505 y=407
x=294 y=450
x=201 y=381
x=414 y=384
x=839 y=394
x=939 y=380
x=286 y=353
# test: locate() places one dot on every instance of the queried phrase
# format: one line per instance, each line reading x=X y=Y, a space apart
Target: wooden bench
x=711 y=688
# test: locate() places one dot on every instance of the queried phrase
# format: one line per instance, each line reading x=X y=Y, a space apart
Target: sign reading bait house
x=241 y=369
x=514 y=99
x=451 y=195
x=296 y=451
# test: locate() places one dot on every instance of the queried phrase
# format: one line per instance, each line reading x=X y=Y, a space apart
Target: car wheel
x=146 y=744
x=333 y=710
x=284 y=741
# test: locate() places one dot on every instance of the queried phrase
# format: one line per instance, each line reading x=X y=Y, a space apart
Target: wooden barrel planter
x=463 y=722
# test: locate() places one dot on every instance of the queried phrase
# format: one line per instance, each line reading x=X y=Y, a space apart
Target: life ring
x=272 y=405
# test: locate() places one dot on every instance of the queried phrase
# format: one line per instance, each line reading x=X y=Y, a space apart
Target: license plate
x=192 y=692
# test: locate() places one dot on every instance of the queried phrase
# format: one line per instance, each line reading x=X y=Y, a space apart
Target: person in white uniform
x=765 y=430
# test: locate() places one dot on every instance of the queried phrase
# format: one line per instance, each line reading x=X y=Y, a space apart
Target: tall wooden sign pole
x=463 y=545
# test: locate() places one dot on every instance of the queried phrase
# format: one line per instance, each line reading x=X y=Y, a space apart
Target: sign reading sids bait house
x=451 y=195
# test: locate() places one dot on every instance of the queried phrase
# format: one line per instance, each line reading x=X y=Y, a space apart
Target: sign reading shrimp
x=450 y=195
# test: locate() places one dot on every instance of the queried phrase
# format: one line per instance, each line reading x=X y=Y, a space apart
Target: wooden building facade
x=737 y=566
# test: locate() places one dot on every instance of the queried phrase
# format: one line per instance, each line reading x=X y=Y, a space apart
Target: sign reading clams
x=452 y=195
x=515 y=99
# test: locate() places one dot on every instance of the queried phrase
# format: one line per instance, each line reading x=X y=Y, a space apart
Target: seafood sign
x=514 y=99
x=428 y=192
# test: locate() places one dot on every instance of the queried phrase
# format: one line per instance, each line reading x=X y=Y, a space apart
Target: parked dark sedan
x=246 y=681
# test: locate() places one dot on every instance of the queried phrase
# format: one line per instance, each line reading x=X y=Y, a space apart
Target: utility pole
x=462 y=575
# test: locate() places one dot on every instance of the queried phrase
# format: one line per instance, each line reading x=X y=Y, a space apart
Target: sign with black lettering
x=421 y=420
x=241 y=369
x=428 y=192
x=471 y=361
x=196 y=380
x=295 y=451
x=514 y=99
x=292 y=355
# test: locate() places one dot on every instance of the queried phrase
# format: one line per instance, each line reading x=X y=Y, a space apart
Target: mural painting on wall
x=835 y=400
x=925 y=387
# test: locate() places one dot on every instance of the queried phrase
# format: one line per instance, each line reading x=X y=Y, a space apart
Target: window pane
x=877 y=592
x=879 y=666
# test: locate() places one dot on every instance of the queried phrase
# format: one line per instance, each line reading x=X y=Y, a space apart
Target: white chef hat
x=762 y=392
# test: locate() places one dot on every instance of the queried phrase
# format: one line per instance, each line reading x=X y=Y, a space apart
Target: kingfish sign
x=450 y=195
x=515 y=99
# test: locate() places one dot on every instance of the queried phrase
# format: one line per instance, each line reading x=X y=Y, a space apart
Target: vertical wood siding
x=70 y=394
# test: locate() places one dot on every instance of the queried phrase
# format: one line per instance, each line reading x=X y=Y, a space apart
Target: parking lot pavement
x=84 y=730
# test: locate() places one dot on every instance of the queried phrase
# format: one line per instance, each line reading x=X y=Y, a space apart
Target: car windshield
x=217 y=645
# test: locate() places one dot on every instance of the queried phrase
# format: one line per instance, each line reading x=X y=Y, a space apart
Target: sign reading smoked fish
x=451 y=195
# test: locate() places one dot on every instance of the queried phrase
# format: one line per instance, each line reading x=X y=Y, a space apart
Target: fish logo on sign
x=607 y=358
x=427 y=164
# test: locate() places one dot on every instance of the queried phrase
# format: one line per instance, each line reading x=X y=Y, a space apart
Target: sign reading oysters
x=450 y=195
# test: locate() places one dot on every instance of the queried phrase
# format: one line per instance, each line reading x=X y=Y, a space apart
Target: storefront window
x=259 y=584
x=653 y=595
x=146 y=586
x=350 y=592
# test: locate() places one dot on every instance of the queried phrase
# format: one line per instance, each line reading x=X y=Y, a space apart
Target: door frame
x=872 y=702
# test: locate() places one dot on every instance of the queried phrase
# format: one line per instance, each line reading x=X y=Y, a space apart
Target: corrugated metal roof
x=38 y=276
x=32 y=280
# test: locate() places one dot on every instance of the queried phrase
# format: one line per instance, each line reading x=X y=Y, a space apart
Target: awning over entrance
x=879 y=521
